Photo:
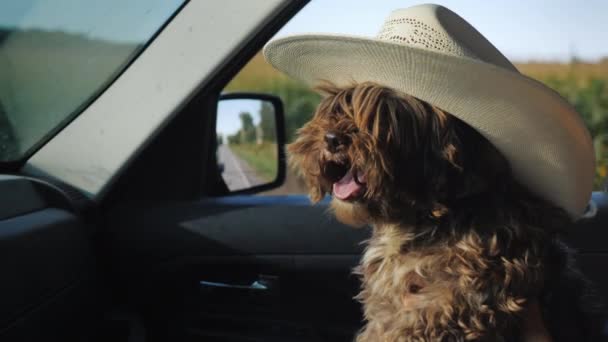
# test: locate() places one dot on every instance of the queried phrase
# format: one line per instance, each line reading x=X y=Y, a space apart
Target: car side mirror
x=250 y=134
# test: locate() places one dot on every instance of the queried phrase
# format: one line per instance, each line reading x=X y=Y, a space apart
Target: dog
x=459 y=249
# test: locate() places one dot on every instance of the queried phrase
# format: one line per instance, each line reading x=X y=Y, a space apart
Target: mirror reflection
x=246 y=143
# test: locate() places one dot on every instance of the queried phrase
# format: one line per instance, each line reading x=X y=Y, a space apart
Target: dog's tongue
x=346 y=187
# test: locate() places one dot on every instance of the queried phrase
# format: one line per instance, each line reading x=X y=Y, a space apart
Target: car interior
x=171 y=254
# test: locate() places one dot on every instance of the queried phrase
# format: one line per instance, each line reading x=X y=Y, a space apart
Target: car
x=118 y=219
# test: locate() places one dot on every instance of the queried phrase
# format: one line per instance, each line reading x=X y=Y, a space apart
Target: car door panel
x=49 y=288
x=299 y=252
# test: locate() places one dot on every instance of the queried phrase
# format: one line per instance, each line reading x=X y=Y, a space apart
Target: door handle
x=255 y=286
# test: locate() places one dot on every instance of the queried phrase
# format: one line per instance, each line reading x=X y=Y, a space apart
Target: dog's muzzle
x=335 y=141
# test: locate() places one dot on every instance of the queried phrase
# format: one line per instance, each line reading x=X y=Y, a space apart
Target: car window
x=58 y=55
x=555 y=43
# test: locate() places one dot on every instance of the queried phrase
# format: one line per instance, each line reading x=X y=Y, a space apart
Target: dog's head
x=386 y=157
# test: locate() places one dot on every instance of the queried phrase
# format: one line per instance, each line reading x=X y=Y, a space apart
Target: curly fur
x=458 y=246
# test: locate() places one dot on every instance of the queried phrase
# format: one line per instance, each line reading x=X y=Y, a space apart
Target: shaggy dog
x=459 y=248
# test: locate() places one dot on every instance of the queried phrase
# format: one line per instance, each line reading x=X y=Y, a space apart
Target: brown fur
x=458 y=246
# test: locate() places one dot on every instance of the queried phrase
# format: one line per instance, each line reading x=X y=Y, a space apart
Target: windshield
x=56 y=56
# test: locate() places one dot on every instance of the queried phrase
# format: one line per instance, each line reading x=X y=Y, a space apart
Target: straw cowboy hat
x=433 y=54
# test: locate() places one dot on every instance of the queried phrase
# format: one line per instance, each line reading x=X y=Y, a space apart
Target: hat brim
x=541 y=135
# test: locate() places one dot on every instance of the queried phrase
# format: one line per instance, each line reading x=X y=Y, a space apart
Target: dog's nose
x=333 y=141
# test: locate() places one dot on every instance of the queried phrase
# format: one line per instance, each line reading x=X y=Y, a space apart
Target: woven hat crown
x=438 y=29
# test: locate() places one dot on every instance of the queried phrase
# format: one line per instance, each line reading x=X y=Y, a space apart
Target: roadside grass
x=262 y=158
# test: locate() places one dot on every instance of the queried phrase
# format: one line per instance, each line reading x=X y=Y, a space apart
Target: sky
x=228 y=112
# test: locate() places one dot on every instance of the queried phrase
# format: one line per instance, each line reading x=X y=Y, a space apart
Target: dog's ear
x=444 y=138
x=478 y=165
x=427 y=152
x=437 y=158
x=444 y=154
x=457 y=161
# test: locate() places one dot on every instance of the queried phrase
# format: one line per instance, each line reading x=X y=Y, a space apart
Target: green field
x=584 y=85
x=261 y=157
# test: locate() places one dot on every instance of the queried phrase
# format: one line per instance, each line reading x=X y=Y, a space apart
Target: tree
x=267 y=122
x=247 y=131
x=246 y=121
x=234 y=139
